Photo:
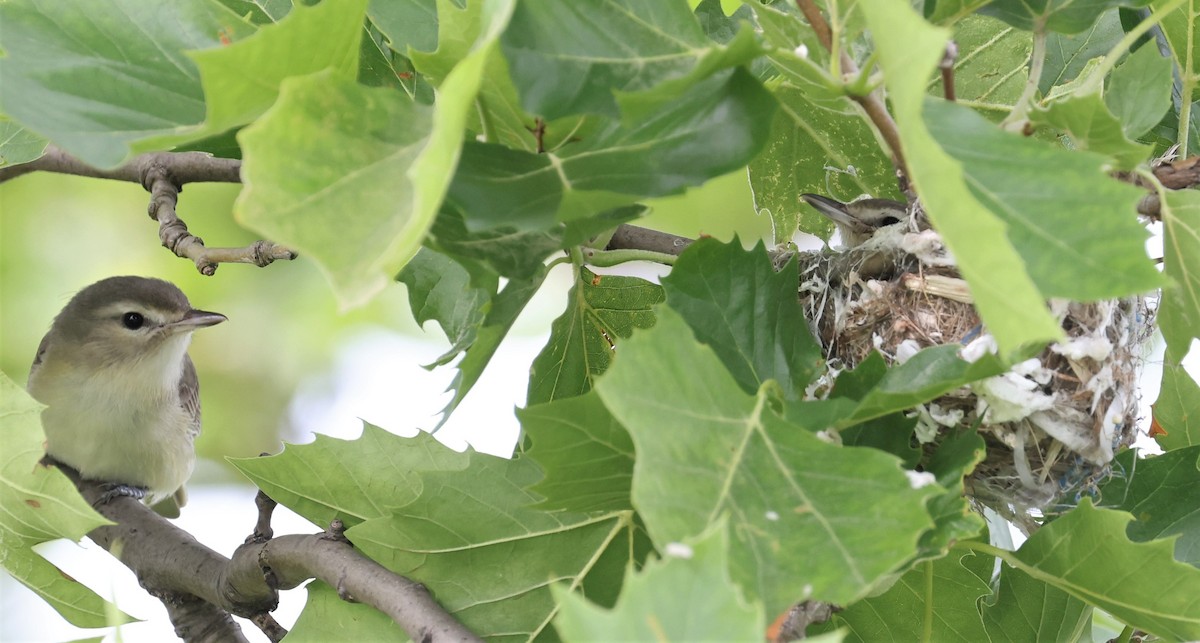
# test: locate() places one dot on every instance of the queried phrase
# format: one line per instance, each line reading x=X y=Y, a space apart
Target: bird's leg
x=117 y=489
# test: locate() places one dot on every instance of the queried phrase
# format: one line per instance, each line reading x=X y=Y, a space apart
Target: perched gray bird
x=122 y=394
x=858 y=220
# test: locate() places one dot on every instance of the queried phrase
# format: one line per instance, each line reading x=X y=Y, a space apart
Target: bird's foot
x=117 y=489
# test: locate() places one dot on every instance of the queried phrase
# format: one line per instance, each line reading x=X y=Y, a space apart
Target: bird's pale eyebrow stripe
x=127 y=306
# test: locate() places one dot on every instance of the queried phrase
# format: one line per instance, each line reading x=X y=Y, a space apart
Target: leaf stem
x=1125 y=635
x=991 y=550
x=1037 y=59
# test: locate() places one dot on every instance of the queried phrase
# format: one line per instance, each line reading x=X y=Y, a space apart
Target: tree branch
x=163 y=175
x=871 y=103
x=201 y=588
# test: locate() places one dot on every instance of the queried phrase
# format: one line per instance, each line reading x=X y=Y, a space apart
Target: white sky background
x=377 y=377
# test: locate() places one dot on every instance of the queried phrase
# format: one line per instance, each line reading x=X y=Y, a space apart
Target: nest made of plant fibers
x=1051 y=424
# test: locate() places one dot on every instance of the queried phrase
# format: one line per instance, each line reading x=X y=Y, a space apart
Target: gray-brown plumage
x=122 y=395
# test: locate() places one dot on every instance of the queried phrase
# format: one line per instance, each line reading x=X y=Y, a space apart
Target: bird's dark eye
x=133 y=321
x=887 y=221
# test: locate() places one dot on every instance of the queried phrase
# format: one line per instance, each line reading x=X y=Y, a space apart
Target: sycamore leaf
x=736 y=302
x=587 y=455
x=442 y=290
x=1163 y=494
x=1179 y=313
x=109 y=78
x=1075 y=234
x=473 y=538
x=369 y=140
x=1085 y=119
x=349 y=479
x=1068 y=54
x=243 y=79
x=326 y=617
x=564 y=59
x=18 y=145
x=909 y=51
x=990 y=69
x=1086 y=553
x=407 y=23
x=601 y=311
x=505 y=308
x=1026 y=609
x=687 y=596
x=1065 y=16
x=944 y=591
x=707 y=449
x=38 y=504
x=1139 y=90
x=1177 y=411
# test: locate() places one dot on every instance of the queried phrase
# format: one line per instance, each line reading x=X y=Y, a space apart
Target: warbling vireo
x=122 y=395
x=858 y=220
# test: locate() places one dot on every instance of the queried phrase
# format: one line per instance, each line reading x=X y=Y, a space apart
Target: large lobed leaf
x=747 y=312
x=1163 y=493
x=601 y=310
x=38 y=504
x=1087 y=554
x=566 y=58
x=707 y=449
x=685 y=597
x=1179 y=313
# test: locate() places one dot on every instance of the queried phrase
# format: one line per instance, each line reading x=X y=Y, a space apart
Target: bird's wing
x=189 y=394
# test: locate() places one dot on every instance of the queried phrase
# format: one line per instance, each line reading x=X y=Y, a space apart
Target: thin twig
x=163 y=174
x=871 y=103
x=171 y=563
x=947 y=67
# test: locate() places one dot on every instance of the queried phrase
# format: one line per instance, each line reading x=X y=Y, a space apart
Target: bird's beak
x=194 y=319
x=835 y=210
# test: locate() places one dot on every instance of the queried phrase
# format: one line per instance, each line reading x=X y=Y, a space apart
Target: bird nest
x=1051 y=424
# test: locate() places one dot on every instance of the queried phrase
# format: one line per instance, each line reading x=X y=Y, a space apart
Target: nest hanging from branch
x=1051 y=424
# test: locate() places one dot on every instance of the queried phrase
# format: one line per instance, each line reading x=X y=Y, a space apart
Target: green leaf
x=936 y=601
x=1139 y=90
x=1179 y=312
x=688 y=597
x=564 y=59
x=1163 y=494
x=473 y=539
x=505 y=251
x=707 y=449
x=407 y=23
x=735 y=302
x=824 y=147
x=18 y=145
x=326 y=617
x=929 y=374
x=1026 y=609
x=1064 y=16
x=714 y=127
x=38 y=504
x=1075 y=234
x=109 y=78
x=1068 y=54
x=990 y=70
x=1090 y=126
x=954 y=518
x=260 y=11
x=1177 y=410
x=349 y=480
x=601 y=310
x=243 y=79
x=506 y=306
x=369 y=140
x=587 y=455
x=909 y=51
x=1087 y=554
x=441 y=290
